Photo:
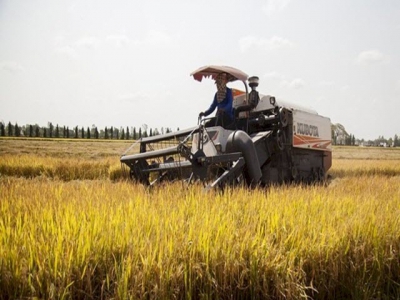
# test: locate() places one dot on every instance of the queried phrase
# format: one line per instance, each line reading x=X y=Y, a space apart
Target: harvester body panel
x=311 y=131
x=214 y=140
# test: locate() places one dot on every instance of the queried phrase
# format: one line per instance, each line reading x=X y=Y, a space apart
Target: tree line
x=341 y=137
x=339 y=133
x=93 y=132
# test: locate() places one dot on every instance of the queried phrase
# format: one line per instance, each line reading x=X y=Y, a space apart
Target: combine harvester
x=270 y=141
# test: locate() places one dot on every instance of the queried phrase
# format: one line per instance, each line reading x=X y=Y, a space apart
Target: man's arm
x=212 y=107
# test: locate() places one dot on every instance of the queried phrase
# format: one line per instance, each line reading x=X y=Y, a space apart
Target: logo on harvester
x=306 y=129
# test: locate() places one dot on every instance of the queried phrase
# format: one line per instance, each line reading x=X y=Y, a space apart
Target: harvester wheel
x=284 y=116
x=321 y=175
x=280 y=139
x=295 y=173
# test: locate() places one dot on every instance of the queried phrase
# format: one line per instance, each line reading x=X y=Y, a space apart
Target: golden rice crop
x=69 y=232
x=84 y=239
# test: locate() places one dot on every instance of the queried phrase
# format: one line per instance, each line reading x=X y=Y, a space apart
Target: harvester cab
x=269 y=142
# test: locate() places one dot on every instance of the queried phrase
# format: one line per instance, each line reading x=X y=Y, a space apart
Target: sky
x=128 y=63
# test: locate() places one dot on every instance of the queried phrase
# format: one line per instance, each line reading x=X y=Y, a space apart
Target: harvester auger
x=269 y=142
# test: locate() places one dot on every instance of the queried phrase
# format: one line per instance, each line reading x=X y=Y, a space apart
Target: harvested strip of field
x=92 y=150
x=30 y=166
x=73 y=168
x=358 y=167
x=76 y=159
x=365 y=153
x=84 y=239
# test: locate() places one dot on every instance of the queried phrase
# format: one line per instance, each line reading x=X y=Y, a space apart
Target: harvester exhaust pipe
x=239 y=141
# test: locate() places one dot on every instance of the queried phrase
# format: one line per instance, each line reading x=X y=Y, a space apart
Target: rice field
x=71 y=227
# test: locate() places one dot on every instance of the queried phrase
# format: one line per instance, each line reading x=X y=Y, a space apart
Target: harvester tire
x=283 y=116
x=280 y=139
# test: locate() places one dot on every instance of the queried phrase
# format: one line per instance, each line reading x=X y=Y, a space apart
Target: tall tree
x=37 y=131
x=83 y=133
x=51 y=127
x=106 y=133
x=10 y=129
x=2 y=129
x=112 y=132
x=127 y=132
x=67 y=133
x=88 y=133
x=76 y=132
x=134 y=133
x=396 y=142
x=17 y=130
x=57 y=131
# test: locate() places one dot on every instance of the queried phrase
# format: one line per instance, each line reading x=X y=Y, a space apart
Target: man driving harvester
x=223 y=101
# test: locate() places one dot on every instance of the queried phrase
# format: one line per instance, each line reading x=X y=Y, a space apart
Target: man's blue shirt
x=224 y=106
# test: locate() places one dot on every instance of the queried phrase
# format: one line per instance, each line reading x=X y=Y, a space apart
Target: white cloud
x=133 y=97
x=272 y=7
x=273 y=43
x=370 y=57
x=154 y=37
x=285 y=82
x=67 y=51
x=278 y=43
x=274 y=76
x=326 y=83
x=345 y=88
x=72 y=49
x=11 y=66
x=118 y=40
x=89 y=42
x=297 y=83
x=59 y=40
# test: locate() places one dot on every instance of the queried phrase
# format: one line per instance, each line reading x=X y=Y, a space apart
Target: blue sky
x=127 y=63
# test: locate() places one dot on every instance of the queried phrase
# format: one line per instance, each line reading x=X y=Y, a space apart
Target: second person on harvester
x=223 y=101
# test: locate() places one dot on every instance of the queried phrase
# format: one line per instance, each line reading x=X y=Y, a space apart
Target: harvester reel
x=170 y=174
x=137 y=173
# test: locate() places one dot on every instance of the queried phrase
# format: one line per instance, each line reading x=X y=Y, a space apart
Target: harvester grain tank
x=270 y=141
